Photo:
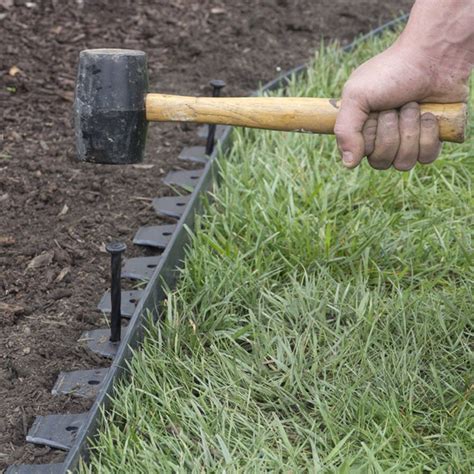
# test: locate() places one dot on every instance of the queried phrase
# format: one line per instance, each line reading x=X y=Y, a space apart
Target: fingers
x=400 y=139
x=389 y=138
x=430 y=146
x=369 y=133
x=409 y=127
x=348 y=129
x=387 y=141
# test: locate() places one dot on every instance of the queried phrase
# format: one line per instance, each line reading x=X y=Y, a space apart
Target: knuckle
x=388 y=144
x=409 y=115
x=412 y=109
x=410 y=135
x=385 y=151
x=352 y=89
x=389 y=118
x=342 y=135
x=370 y=126
x=370 y=131
x=339 y=129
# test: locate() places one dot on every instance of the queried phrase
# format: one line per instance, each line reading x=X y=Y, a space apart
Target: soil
x=56 y=214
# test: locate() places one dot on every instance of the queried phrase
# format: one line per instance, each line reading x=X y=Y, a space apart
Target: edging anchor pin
x=216 y=85
x=115 y=250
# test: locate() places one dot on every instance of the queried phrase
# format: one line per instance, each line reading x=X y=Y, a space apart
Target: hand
x=393 y=83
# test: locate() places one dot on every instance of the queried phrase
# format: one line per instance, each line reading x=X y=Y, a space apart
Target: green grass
x=323 y=323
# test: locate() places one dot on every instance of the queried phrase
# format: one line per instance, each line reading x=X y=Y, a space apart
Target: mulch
x=57 y=214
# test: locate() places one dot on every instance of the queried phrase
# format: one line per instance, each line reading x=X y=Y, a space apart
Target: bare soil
x=53 y=207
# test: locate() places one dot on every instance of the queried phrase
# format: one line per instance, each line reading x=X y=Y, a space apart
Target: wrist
x=437 y=59
x=440 y=34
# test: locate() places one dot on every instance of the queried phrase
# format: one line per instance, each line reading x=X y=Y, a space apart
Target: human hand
x=380 y=116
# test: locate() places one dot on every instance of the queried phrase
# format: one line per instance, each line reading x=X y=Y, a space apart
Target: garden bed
x=323 y=321
x=54 y=206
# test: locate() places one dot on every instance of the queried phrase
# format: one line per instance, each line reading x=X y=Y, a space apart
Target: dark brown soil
x=52 y=206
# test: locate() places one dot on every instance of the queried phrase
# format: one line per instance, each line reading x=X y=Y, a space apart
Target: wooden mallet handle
x=299 y=114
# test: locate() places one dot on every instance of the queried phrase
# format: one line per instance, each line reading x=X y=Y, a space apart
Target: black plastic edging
x=166 y=273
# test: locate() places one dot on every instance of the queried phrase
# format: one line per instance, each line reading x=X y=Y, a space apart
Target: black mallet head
x=109 y=107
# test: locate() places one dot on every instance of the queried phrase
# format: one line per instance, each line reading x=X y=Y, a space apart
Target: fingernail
x=428 y=120
x=347 y=158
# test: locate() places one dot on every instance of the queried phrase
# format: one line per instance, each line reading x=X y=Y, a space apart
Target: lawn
x=323 y=321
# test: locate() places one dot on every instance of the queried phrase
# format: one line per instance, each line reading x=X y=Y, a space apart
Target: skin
x=431 y=61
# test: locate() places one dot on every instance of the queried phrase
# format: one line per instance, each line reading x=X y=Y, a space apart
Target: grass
x=323 y=322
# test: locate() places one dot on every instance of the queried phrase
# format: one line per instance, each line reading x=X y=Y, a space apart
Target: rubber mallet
x=113 y=107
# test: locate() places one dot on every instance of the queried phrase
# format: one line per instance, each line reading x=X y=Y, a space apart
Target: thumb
x=350 y=122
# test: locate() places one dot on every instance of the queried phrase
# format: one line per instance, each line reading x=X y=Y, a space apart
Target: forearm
x=443 y=30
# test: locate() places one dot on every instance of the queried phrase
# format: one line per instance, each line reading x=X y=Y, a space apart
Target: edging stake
x=216 y=85
x=115 y=249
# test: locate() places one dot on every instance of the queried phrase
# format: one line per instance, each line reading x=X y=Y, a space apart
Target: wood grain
x=292 y=114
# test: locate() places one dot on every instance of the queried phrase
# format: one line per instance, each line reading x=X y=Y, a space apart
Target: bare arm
x=430 y=62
